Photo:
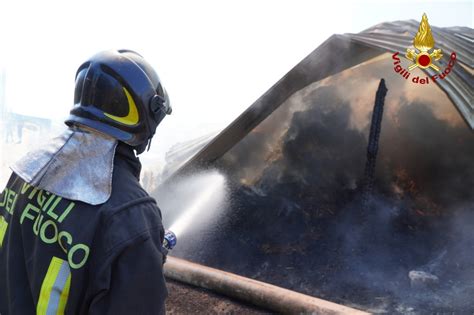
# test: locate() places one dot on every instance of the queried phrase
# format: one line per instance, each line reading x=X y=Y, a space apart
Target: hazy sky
x=214 y=57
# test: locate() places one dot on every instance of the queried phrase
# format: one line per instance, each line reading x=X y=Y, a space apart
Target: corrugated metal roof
x=352 y=49
x=458 y=85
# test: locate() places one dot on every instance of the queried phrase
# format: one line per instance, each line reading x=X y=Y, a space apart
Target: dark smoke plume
x=296 y=185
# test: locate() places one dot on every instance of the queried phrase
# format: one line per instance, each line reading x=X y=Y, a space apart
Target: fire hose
x=255 y=292
x=252 y=291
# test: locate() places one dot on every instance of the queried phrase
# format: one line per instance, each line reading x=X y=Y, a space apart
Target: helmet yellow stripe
x=132 y=117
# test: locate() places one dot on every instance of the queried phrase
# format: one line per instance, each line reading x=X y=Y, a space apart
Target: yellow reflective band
x=64 y=296
x=132 y=117
x=3 y=229
x=55 y=288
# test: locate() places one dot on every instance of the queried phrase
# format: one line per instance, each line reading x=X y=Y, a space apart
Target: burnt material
x=373 y=146
x=320 y=64
x=295 y=187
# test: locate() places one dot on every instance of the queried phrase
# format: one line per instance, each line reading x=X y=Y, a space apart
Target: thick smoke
x=296 y=183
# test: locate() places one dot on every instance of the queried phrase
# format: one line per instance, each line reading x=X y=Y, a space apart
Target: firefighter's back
x=57 y=254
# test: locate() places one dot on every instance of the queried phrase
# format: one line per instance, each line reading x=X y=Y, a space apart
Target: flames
x=424 y=40
x=404 y=184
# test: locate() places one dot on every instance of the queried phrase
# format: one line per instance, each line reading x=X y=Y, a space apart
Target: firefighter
x=78 y=233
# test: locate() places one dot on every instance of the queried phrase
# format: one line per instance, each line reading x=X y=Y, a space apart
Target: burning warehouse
x=309 y=205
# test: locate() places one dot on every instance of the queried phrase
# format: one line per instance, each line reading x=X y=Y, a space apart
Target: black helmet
x=119 y=94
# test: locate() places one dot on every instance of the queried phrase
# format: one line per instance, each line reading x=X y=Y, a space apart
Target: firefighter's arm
x=137 y=284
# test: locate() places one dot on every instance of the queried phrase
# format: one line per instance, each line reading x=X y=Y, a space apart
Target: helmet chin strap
x=149 y=144
x=141 y=147
x=144 y=146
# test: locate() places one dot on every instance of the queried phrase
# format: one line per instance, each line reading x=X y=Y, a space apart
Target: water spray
x=212 y=185
x=209 y=189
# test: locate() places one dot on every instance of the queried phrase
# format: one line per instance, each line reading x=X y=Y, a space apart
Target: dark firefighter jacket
x=61 y=256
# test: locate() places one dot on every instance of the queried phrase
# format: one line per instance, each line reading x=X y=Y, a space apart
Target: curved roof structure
x=341 y=52
x=458 y=85
x=278 y=195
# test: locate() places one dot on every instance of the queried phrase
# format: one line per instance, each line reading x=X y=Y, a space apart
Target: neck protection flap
x=76 y=165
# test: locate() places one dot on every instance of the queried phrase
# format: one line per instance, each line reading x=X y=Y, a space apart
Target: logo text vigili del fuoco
x=423 y=56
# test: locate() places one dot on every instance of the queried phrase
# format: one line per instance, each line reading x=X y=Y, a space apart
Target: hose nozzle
x=170 y=240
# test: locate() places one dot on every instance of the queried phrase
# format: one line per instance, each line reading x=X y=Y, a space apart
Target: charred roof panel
x=341 y=52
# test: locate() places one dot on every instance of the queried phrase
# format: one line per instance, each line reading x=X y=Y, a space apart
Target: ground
x=186 y=299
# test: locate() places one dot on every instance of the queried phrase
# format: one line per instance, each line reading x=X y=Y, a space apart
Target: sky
x=215 y=58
